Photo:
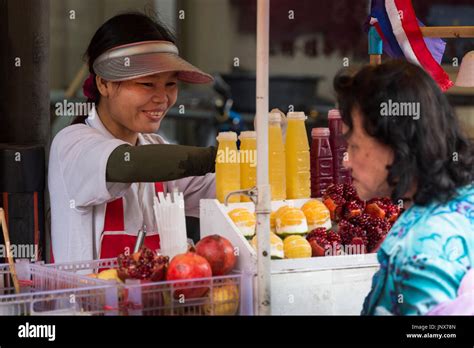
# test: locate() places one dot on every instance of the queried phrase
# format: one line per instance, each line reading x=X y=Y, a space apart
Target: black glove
x=159 y=162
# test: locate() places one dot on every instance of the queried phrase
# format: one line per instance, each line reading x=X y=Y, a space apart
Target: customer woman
x=421 y=158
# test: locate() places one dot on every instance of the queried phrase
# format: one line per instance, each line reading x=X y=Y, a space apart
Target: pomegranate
x=362 y=225
x=375 y=229
x=352 y=236
x=324 y=242
x=189 y=266
x=353 y=208
x=345 y=191
x=334 y=203
x=374 y=210
x=364 y=230
x=383 y=208
x=219 y=252
x=342 y=201
x=144 y=265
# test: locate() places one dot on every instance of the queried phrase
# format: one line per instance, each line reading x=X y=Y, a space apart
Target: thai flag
x=397 y=25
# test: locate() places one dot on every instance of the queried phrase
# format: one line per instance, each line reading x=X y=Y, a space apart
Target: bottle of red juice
x=341 y=175
x=321 y=162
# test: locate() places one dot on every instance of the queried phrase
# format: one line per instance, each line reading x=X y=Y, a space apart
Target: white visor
x=146 y=58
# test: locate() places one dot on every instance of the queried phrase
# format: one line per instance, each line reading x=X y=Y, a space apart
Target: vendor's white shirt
x=79 y=191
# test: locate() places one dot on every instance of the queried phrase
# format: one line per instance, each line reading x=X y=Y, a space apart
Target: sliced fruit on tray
x=291 y=221
x=244 y=220
x=296 y=247
x=317 y=214
x=276 y=246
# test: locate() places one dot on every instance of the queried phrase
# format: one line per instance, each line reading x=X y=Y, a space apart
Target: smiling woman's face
x=139 y=105
x=368 y=159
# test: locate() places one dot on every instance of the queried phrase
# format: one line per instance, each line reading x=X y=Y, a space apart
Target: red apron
x=114 y=239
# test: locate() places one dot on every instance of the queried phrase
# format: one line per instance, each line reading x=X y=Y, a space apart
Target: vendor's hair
x=120 y=30
x=432 y=151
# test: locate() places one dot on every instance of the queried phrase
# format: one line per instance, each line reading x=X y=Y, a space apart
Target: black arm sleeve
x=159 y=162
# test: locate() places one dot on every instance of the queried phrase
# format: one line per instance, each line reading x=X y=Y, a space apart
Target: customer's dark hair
x=432 y=151
x=119 y=30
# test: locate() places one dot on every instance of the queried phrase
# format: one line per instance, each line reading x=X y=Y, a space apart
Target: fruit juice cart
x=307 y=286
x=323 y=285
x=320 y=285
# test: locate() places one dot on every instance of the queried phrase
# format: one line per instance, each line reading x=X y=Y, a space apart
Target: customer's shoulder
x=457 y=214
x=451 y=217
x=434 y=228
x=443 y=229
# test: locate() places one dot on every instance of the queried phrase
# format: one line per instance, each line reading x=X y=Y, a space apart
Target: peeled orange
x=244 y=220
x=276 y=246
x=296 y=247
x=317 y=214
x=291 y=221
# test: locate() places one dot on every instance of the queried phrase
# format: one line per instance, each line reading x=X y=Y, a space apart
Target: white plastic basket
x=222 y=295
x=47 y=291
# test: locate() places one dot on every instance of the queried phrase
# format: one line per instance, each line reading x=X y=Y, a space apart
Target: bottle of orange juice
x=227 y=167
x=248 y=161
x=298 y=177
x=276 y=158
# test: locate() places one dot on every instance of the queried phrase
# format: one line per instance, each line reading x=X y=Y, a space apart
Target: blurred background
x=310 y=42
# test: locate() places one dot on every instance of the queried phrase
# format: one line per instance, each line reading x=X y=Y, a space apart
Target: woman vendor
x=105 y=169
x=422 y=160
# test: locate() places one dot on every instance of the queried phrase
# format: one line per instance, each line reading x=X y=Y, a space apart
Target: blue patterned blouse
x=424 y=257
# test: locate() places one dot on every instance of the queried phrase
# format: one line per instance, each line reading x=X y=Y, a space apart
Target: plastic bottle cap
x=296 y=116
x=248 y=135
x=334 y=114
x=274 y=117
x=230 y=136
x=320 y=132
